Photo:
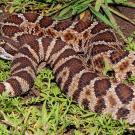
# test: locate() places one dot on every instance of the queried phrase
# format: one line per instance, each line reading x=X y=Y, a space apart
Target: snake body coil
x=29 y=39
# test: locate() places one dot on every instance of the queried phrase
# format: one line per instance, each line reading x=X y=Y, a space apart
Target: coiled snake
x=29 y=39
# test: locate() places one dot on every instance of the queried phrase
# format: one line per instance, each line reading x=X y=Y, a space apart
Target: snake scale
x=29 y=39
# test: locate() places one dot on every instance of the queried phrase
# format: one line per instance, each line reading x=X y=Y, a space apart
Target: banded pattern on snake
x=29 y=39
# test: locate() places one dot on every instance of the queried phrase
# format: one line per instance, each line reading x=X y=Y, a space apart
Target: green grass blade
x=121 y=15
x=98 y=4
x=100 y=16
x=74 y=9
x=113 y=22
x=129 y=4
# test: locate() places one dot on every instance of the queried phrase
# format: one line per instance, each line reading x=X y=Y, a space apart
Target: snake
x=76 y=50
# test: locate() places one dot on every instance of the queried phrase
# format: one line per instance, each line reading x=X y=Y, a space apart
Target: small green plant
x=131 y=80
x=107 y=68
x=130 y=43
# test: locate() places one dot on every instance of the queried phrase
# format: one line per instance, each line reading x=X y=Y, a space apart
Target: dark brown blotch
x=60 y=80
x=83 y=82
x=14 y=19
x=16 y=86
x=61 y=26
x=46 y=41
x=106 y=36
x=98 y=28
x=100 y=105
x=122 y=113
x=24 y=62
x=31 y=17
x=99 y=63
x=75 y=66
x=82 y=25
x=11 y=30
x=65 y=54
x=116 y=56
x=16 y=44
x=26 y=76
x=125 y=93
x=101 y=87
x=25 y=51
x=45 y=22
x=8 y=49
x=96 y=49
x=85 y=103
x=26 y=38
x=30 y=40
x=58 y=45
